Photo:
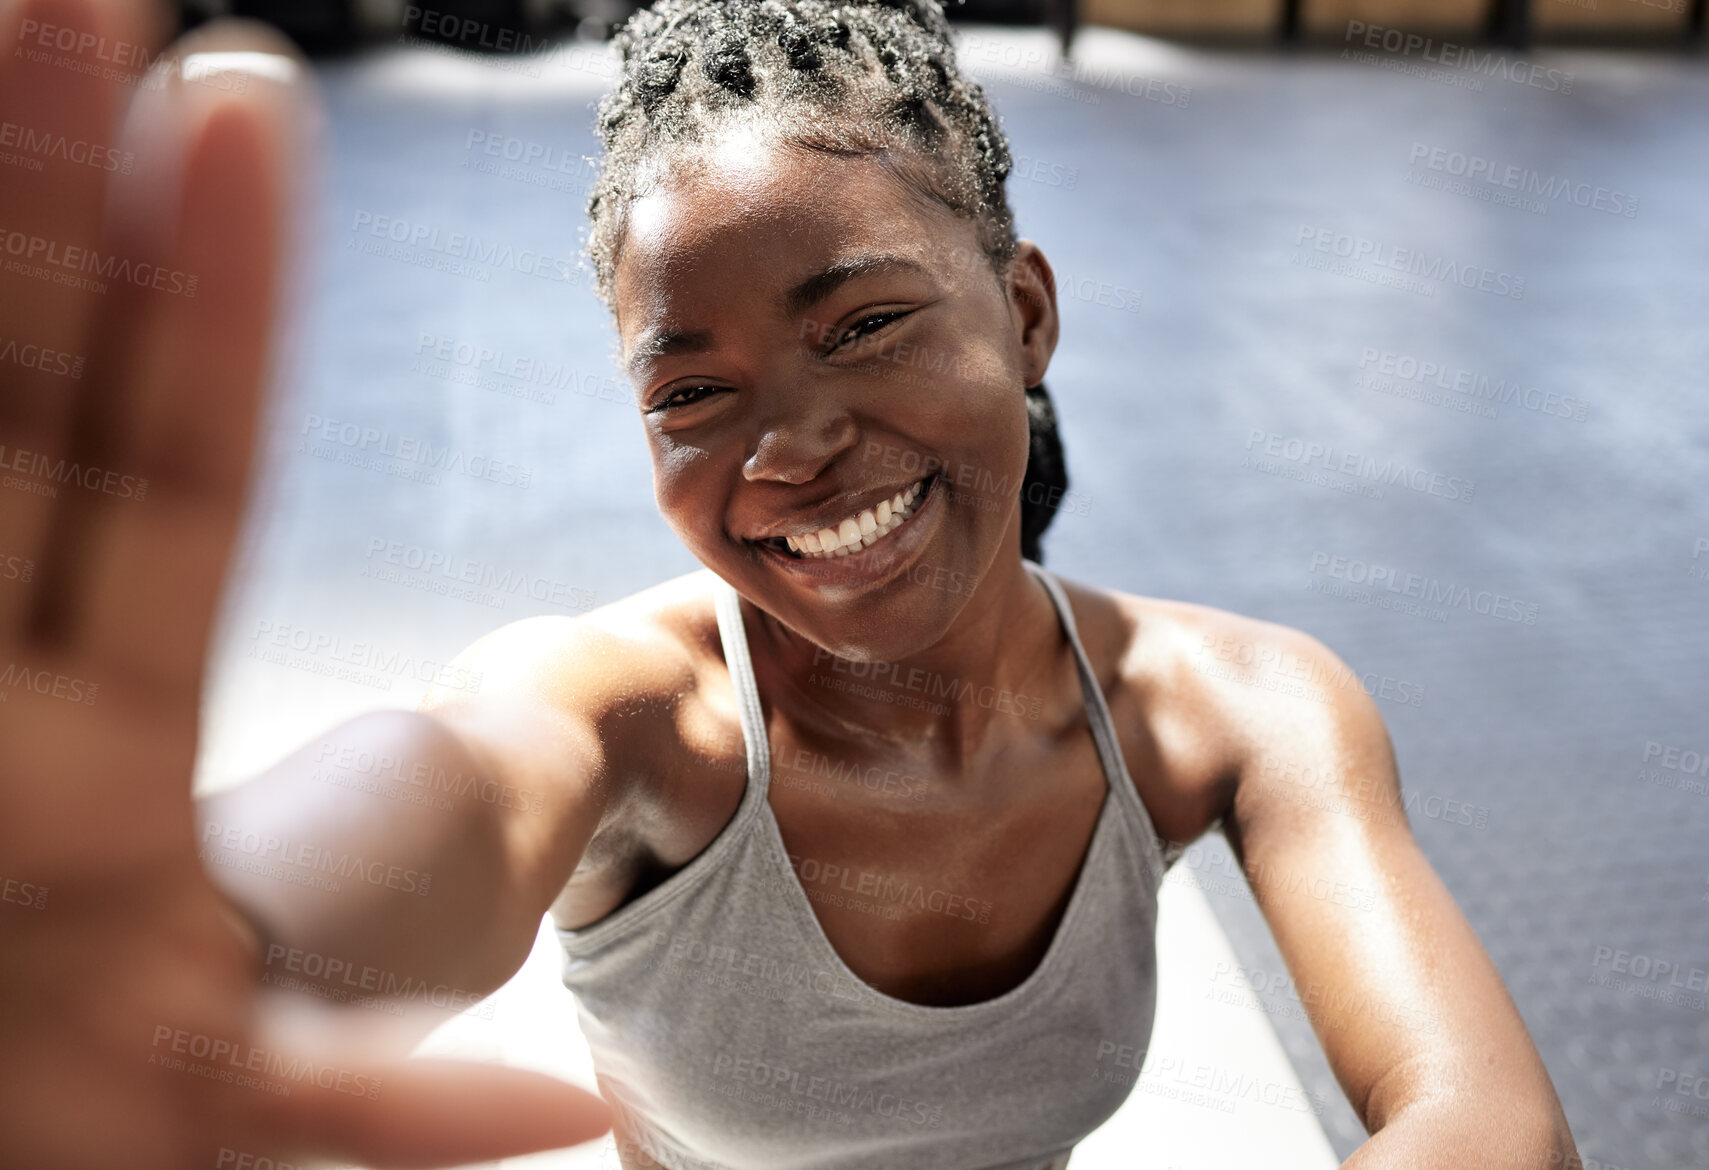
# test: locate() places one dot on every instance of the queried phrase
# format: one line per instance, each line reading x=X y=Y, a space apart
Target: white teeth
x=860 y=531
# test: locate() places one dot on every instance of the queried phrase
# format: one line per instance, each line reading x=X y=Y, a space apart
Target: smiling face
x=809 y=340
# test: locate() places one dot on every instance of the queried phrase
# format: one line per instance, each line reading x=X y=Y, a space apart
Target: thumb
x=354 y=1098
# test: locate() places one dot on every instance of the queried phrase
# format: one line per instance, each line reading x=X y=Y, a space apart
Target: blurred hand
x=143 y=219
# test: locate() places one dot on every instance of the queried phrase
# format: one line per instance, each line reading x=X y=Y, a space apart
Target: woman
x=927 y=941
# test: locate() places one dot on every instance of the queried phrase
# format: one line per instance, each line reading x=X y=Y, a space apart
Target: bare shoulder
x=1219 y=697
x=636 y=646
x=1283 y=738
x=613 y=680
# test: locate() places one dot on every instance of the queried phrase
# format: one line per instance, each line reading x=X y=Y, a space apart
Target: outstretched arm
x=1412 y=1014
x=407 y=853
x=134 y=1029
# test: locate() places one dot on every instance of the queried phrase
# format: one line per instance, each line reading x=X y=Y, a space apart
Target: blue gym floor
x=1277 y=281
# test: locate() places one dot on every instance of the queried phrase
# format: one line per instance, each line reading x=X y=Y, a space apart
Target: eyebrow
x=809 y=292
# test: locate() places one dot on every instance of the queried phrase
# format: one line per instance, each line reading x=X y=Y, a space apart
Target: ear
x=1032 y=307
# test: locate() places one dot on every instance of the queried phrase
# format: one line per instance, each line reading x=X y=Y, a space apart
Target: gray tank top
x=728 y=1034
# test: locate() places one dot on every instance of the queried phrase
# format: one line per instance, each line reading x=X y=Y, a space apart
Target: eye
x=866 y=326
x=669 y=401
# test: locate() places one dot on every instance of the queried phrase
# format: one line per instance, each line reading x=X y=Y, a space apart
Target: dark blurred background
x=322 y=26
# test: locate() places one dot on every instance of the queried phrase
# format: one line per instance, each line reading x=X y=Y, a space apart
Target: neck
x=995 y=672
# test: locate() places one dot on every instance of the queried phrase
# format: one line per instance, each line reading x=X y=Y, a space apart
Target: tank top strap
x=1103 y=727
x=734 y=635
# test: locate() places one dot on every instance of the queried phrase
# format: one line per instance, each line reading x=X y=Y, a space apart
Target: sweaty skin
x=620 y=724
x=781 y=384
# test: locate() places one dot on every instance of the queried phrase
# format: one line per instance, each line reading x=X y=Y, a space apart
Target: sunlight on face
x=807 y=336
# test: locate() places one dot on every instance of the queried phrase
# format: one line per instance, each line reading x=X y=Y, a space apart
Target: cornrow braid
x=842 y=77
x=838 y=77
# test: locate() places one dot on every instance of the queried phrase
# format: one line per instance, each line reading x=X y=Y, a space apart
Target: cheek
x=685 y=489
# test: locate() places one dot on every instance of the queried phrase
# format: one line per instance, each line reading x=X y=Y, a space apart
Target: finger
x=132 y=574
x=61 y=93
x=430 y=1113
x=362 y=1107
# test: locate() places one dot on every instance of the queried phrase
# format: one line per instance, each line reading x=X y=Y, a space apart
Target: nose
x=801 y=438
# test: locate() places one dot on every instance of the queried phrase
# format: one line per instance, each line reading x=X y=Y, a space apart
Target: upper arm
x=1407 y=1004
x=553 y=710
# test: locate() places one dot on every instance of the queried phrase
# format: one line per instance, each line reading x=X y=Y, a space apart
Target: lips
x=857 y=531
x=840 y=580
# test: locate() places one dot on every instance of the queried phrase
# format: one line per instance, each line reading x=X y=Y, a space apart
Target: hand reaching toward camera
x=144 y=218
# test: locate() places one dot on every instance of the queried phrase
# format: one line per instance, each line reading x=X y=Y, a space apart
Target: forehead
x=745 y=215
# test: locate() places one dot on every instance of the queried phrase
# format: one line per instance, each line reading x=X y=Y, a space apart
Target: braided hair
x=842 y=77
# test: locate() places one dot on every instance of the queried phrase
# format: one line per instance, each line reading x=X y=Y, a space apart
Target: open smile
x=864 y=545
